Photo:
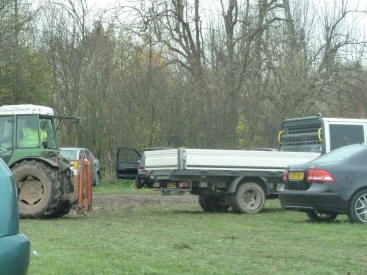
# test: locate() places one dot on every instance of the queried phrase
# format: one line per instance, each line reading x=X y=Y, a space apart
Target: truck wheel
x=203 y=204
x=249 y=198
x=217 y=204
x=138 y=183
x=38 y=189
x=213 y=203
x=358 y=207
x=321 y=216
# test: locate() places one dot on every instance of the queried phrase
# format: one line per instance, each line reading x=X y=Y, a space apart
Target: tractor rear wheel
x=62 y=208
x=38 y=187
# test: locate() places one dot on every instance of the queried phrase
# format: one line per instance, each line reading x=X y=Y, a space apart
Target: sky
x=207 y=3
x=215 y=5
x=358 y=19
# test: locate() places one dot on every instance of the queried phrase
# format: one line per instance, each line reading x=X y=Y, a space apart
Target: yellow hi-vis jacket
x=30 y=138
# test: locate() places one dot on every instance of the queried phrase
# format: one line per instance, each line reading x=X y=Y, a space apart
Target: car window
x=340 y=154
x=69 y=154
x=86 y=152
x=341 y=135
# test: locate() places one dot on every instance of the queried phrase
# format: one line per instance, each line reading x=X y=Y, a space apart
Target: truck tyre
x=203 y=204
x=138 y=182
x=38 y=189
x=317 y=216
x=249 y=198
x=358 y=207
x=213 y=203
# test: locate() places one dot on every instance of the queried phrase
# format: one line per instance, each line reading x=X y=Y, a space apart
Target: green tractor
x=28 y=144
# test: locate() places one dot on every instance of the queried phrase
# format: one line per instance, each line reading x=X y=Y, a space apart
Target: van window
x=341 y=135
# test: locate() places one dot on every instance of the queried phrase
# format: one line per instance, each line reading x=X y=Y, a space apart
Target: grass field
x=120 y=187
x=178 y=238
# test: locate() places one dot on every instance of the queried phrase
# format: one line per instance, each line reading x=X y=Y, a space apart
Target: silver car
x=73 y=154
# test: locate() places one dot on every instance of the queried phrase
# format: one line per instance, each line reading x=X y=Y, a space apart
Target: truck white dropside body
x=243 y=179
x=217 y=175
x=210 y=159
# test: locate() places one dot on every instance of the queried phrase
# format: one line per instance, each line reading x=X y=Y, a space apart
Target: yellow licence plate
x=171 y=185
x=296 y=175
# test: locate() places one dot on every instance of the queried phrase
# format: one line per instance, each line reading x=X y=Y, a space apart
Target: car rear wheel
x=321 y=216
x=358 y=207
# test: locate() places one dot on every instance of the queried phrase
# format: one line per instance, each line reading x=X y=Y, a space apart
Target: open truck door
x=127 y=163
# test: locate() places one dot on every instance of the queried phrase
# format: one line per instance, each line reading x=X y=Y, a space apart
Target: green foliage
x=24 y=78
x=240 y=131
x=24 y=74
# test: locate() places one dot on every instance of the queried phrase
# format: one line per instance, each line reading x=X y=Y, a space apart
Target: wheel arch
x=232 y=188
x=44 y=160
x=353 y=194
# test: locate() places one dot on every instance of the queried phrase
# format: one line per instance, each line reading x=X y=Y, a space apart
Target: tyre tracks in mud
x=139 y=200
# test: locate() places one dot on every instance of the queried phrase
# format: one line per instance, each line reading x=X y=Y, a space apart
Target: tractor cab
x=43 y=178
x=26 y=130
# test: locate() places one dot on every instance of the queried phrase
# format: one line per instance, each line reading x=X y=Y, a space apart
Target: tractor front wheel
x=38 y=189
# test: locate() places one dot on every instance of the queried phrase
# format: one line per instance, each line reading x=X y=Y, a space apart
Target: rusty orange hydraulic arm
x=83 y=184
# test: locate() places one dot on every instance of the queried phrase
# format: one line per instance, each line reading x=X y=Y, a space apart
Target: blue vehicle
x=14 y=246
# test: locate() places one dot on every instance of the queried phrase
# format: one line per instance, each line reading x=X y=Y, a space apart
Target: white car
x=73 y=154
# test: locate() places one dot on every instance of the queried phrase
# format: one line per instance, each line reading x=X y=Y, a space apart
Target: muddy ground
x=135 y=200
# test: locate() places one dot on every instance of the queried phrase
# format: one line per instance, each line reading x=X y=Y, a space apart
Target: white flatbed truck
x=243 y=179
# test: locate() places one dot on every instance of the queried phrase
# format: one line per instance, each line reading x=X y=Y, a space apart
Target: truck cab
x=319 y=134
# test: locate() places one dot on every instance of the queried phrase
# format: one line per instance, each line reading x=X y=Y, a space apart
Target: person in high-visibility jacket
x=29 y=137
x=43 y=135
